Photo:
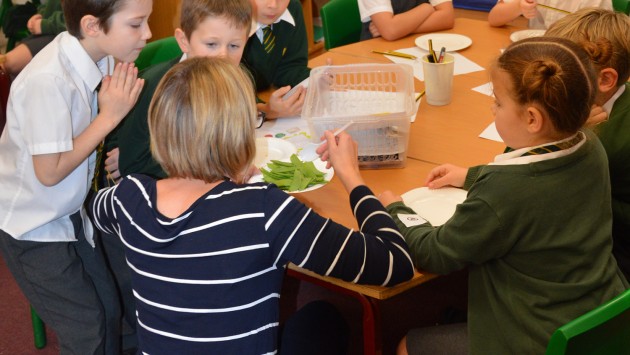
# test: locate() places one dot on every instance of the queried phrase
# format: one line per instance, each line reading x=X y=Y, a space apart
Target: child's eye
x=136 y=25
x=211 y=44
x=235 y=46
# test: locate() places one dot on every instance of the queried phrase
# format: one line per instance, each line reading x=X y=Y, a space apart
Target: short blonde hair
x=202 y=120
x=603 y=33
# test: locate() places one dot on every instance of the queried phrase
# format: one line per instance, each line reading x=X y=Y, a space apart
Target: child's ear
x=90 y=26
x=182 y=40
x=535 y=120
x=607 y=80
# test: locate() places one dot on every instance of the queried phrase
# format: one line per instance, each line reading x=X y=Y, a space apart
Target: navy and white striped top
x=208 y=281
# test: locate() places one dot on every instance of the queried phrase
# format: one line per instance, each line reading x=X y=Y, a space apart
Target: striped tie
x=269 y=40
x=550 y=147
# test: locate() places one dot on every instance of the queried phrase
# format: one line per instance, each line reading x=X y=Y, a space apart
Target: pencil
x=553 y=8
x=396 y=54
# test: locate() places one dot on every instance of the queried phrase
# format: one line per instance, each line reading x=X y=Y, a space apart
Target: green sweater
x=536 y=239
x=133 y=137
x=287 y=64
x=615 y=137
x=52 y=17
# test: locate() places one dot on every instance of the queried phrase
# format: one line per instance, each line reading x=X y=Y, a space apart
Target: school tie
x=269 y=39
x=551 y=147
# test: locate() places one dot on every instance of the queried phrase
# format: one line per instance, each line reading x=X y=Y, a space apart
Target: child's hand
x=528 y=8
x=34 y=24
x=388 y=197
x=111 y=165
x=446 y=174
x=373 y=30
x=341 y=153
x=289 y=107
x=597 y=116
x=119 y=92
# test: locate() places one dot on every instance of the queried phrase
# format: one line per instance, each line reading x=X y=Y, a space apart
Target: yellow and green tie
x=269 y=40
x=550 y=147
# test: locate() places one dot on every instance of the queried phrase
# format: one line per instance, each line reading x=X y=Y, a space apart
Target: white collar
x=286 y=16
x=514 y=157
x=609 y=104
x=91 y=73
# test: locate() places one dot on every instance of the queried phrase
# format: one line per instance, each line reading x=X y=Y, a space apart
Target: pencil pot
x=438 y=80
x=377 y=98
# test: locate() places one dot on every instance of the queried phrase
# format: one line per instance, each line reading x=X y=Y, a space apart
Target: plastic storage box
x=378 y=98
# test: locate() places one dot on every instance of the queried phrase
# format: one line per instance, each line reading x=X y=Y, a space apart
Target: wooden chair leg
x=39 y=330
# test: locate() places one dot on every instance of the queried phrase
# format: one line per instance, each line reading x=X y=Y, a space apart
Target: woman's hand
x=341 y=153
x=446 y=175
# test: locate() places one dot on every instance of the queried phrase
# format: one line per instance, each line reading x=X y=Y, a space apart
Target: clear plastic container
x=378 y=98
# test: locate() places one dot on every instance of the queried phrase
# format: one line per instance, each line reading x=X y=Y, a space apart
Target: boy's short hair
x=194 y=12
x=555 y=74
x=202 y=120
x=603 y=33
x=103 y=10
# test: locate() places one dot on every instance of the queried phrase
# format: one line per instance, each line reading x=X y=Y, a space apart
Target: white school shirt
x=367 y=8
x=546 y=17
x=51 y=102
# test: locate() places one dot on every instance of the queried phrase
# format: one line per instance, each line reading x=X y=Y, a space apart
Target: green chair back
x=341 y=22
x=158 y=51
x=622 y=6
x=604 y=330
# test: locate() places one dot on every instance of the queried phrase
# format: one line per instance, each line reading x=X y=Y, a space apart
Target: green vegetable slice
x=295 y=175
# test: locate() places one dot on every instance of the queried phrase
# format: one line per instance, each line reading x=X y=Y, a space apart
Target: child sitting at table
x=539 y=15
x=394 y=19
x=605 y=34
x=207 y=250
x=210 y=28
x=535 y=228
x=43 y=26
x=277 y=52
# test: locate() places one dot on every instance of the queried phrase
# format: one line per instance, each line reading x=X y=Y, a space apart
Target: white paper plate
x=268 y=148
x=436 y=206
x=519 y=35
x=451 y=41
x=319 y=164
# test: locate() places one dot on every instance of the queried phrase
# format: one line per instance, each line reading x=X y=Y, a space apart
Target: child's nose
x=147 y=33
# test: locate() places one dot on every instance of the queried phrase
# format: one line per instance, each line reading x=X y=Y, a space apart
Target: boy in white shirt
x=539 y=16
x=47 y=155
x=394 y=19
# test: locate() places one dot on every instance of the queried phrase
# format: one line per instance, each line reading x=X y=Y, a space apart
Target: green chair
x=341 y=22
x=622 y=6
x=39 y=330
x=604 y=330
x=158 y=51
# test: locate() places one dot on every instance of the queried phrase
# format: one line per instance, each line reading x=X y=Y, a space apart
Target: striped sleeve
x=376 y=254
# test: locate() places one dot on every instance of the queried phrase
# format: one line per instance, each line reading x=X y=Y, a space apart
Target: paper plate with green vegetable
x=295 y=175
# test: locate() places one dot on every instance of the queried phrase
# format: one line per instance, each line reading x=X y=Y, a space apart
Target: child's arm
x=504 y=12
x=422 y=18
x=117 y=95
